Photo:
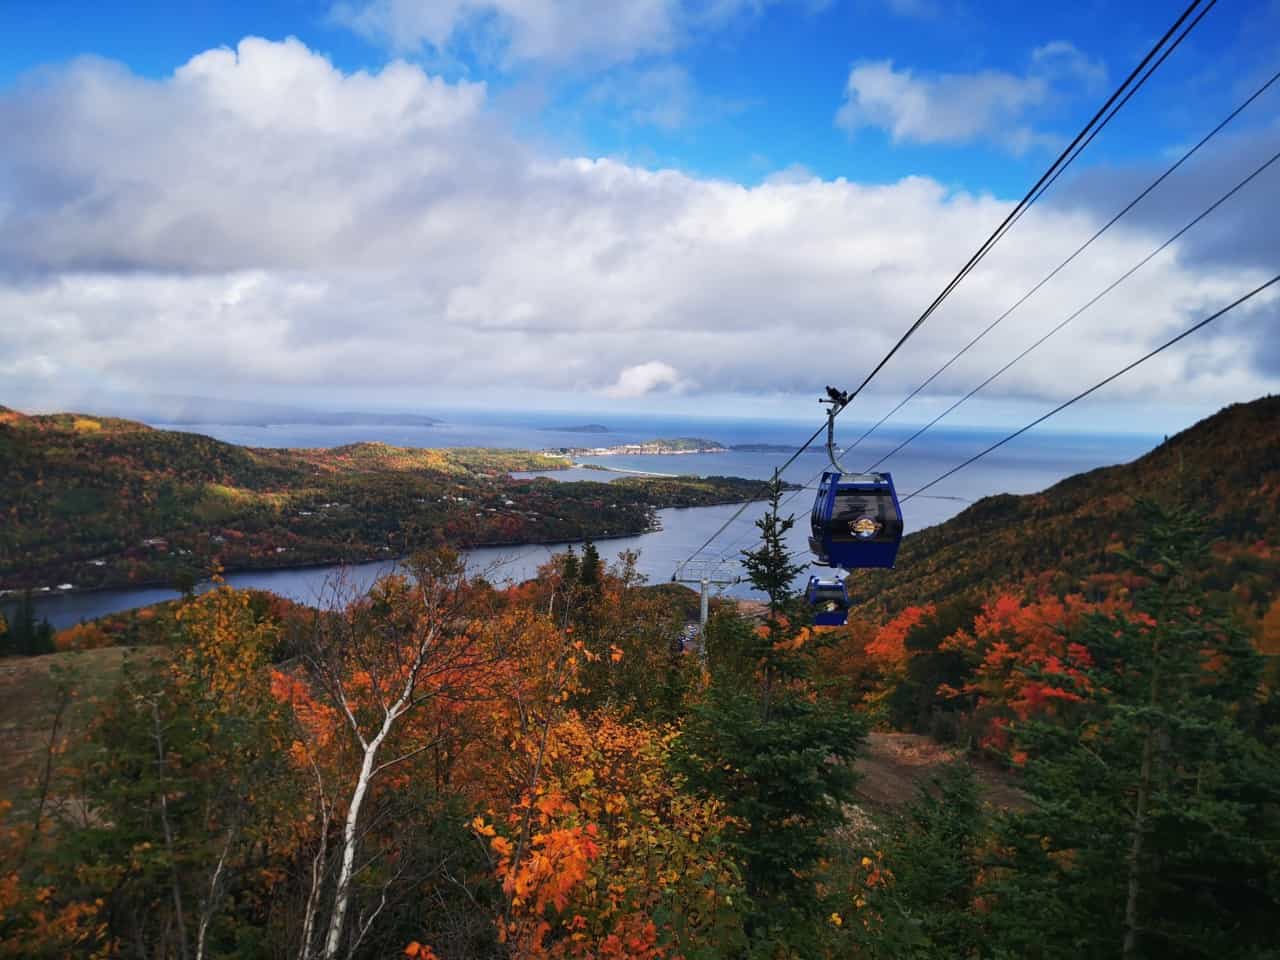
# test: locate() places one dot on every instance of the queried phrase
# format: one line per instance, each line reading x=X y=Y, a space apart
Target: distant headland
x=659 y=447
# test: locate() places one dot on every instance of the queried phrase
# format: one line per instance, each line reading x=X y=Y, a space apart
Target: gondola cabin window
x=867 y=517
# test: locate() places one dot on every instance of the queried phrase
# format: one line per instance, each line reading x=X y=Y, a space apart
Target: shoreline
x=633 y=473
x=13 y=595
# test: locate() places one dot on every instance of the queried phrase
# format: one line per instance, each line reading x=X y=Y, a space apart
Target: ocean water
x=1028 y=464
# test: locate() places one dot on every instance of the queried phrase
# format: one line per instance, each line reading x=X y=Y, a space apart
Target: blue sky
x=745 y=97
x=616 y=131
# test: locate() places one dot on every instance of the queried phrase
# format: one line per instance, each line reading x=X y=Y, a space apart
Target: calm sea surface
x=1030 y=463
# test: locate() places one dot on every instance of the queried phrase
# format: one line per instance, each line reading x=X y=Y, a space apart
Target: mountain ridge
x=1226 y=466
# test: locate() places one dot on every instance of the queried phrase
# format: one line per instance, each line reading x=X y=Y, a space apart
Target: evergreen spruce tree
x=778 y=756
x=27 y=638
x=772 y=571
x=586 y=598
x=570 y=567
x=935 y=853
x=22 y=629
x=729 y=647
x=1154 y=829
x=42 y=639
x=188 y=771
x=590 y=571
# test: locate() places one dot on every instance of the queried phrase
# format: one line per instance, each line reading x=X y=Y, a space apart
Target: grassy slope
x=1227 y=467
x=29 y=701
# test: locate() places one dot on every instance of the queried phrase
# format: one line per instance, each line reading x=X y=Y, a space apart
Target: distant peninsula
x=97 y=502
x=580 y=428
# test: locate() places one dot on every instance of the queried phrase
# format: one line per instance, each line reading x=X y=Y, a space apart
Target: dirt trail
x=893 y=765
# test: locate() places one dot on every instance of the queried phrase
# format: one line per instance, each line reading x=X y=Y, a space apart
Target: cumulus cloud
x=262 y=156
x=644 y=378
x=260 y=222
x=964 y=107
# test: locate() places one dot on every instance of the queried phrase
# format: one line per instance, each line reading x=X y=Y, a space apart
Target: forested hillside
x=96 y=501
x=1068 y=538
x=443 y=770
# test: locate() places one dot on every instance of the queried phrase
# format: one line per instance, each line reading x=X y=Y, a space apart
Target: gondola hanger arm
x=834 y=401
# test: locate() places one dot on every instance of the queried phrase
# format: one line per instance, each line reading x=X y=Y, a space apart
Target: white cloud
x=919 y=9
x=261 y=222
x=964 y=107
x=601 y=32
x=262 y=156
x=1057 y=58
x=661 y=96
x=644 y=378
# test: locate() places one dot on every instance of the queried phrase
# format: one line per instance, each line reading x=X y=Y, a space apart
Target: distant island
x=666 y=446
x=581 y=428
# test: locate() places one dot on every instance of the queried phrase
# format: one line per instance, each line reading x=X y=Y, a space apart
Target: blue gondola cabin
x=829 y=600
x=856 y=522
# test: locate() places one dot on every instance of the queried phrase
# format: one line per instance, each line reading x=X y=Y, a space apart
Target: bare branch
x=208 y=908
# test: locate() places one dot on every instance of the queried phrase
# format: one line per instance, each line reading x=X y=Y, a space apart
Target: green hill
x=1065 y=538
x=96 y=501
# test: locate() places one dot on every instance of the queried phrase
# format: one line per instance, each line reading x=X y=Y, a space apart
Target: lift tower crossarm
x=706 y=574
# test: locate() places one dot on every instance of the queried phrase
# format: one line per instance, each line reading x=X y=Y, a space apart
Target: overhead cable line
x=1071 y=316
x=1079 y=250
x=1132 y=90
x=1103 y=116
x=1068 y=155
x=1098 y=386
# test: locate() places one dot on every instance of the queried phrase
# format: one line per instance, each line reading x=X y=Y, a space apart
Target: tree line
x=440 y=769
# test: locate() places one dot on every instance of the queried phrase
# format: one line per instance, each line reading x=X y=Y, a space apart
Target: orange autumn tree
x=81 y=636
x=888 y=657
x=619 y=861
x=577 y=812
x=889 y=648
x=1023 y=665
x=1269 y=631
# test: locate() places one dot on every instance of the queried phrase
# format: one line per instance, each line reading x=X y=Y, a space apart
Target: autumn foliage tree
x=159 y=823
x=1154 y=828
x=616 y=861
x=379 y=686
